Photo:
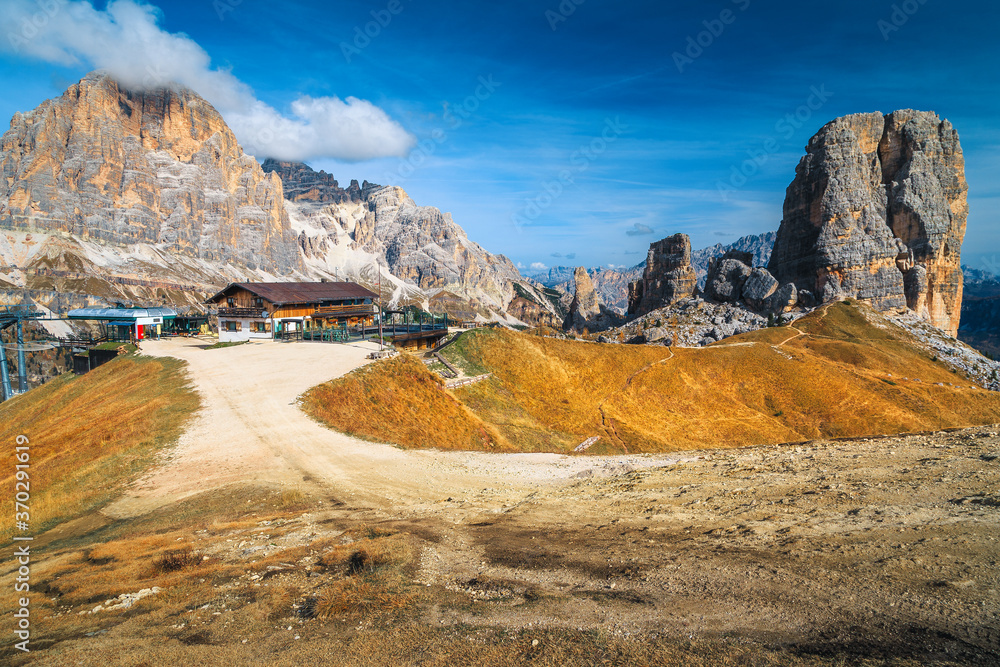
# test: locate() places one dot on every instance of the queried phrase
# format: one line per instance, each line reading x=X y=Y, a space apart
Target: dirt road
x=874 y=547
x=250 y=429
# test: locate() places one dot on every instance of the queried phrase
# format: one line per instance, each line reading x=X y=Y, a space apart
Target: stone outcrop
x=667 y=278
x=726 y=276
x=585 y=309
x=877 y=211
x=757 y=246
x=158 y=168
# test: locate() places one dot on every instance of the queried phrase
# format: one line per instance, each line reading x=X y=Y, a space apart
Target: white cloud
x=538 y=266
x=126 y=40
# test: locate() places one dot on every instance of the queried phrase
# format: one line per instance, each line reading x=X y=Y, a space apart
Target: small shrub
x=172 y=561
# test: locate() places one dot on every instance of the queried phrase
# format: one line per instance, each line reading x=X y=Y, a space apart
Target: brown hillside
x=838 y=373
x=400 y=401
x=89 y=436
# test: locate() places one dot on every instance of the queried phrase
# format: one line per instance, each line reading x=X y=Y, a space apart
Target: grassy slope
x=550 y=395
x=399 y=400
x=92 y=435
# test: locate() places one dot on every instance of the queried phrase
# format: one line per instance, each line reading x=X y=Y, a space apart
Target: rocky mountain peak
x=586 y=306
x=160 y=167
x=667 y=278
x=877 y=211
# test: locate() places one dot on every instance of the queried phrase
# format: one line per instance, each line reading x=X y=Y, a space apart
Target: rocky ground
x=696 y=323
x=870 y=551
x=967 y=360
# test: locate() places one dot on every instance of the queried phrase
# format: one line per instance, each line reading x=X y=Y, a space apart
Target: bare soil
x=882 y=549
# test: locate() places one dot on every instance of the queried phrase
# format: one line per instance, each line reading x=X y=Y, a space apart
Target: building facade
x=262 y=311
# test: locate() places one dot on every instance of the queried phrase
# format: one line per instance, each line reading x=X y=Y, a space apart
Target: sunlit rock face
x=159 y=167
x=877 y=211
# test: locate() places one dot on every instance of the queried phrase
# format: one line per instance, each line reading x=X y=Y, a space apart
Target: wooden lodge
x=249 y=311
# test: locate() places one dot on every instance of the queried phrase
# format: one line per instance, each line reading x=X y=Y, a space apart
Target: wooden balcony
x=243 y=312
x=354 y=310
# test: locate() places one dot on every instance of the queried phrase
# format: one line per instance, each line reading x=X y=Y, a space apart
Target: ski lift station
x=129 y=323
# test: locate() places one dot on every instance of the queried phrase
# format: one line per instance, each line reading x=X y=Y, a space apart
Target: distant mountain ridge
x=348 y=233
x=114 y=195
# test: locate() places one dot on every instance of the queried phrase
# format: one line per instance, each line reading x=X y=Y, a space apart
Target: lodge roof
x=130 y=314
x=284 y=293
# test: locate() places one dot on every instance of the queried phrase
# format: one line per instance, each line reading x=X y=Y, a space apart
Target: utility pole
x=22 y=368
x=378 y=266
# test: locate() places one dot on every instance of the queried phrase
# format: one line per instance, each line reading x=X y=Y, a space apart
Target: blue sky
x=563 y=133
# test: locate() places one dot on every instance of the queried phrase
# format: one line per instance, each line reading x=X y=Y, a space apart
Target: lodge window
x=258 y=327
x=232 y=326
x=231 y=301
x=258 y=302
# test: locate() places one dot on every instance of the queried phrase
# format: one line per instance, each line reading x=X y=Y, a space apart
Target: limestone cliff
x=877 y=211
x=145 y=196
x=161 y=168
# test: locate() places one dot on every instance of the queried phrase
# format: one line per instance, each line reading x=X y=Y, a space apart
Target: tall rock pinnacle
x=877 y=211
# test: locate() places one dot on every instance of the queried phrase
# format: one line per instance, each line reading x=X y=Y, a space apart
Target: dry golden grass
x=91 y=435
x=827 y=377
x=397 y=401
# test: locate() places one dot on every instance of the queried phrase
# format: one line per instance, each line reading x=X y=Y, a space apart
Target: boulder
x=655 y=334
x=725 y=280
x=784 y=299
x=758 y=287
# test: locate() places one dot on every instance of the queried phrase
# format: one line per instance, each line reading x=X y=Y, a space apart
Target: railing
x=360 y=308
x=467 y=381
x=81 y=342
x=329 y=335
x=242 y=312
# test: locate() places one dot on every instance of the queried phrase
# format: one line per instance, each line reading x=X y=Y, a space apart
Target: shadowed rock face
x=158 y=167
x=877 y=211
x=302 y=183
x=667 y=278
